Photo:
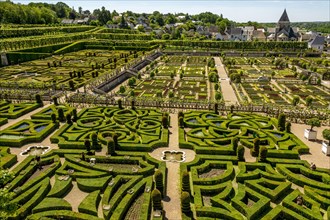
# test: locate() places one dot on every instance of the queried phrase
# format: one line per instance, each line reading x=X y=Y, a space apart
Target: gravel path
x=227 y=90
x=75 y=196
x=172 y=201
x=316 y=156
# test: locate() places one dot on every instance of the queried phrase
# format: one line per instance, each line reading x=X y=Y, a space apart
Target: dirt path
x=227 y=90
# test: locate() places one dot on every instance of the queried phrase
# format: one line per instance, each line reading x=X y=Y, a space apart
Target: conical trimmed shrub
x=185 y=202
x=156 y=199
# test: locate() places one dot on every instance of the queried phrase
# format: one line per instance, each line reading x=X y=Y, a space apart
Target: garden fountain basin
x=35 y=150
x=173 y=156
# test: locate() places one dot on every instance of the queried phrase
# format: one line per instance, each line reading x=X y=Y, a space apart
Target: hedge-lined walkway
x=227 y=90
x=172 y=201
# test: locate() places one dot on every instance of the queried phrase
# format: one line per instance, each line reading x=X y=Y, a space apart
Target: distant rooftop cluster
x=283 y=31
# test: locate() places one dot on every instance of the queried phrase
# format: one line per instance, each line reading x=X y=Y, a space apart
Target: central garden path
x=227 y=90
x=172 y=199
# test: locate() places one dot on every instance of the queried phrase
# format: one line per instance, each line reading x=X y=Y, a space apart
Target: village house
x=317 y=43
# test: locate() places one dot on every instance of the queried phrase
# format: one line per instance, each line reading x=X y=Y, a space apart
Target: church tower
x=284 y=22
x=283 y=30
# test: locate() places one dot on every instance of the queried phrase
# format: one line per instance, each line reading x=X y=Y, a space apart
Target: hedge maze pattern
x=210 y=133
x=119 y=185
x=137 y=130
x=12 y=111
x=35 y=129
x=224 y=186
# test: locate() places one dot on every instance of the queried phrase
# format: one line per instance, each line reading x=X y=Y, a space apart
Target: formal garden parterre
x=68 y=71
x=247 y=166
x=140 y=130
x=222 y=185
x=176 y=78
x=124 y=184
x=277 y=80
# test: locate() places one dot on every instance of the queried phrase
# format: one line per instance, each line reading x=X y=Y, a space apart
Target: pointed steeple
x=284 y=17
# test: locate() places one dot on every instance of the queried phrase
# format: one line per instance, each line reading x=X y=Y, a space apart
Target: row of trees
x=32 y=13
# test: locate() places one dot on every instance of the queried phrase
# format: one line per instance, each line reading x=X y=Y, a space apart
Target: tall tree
x=123 y=23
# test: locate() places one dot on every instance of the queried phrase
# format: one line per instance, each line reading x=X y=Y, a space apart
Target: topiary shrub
x=181 y=122
x=281 y=122
x=53 y=116
x=74 y=115
x=185 y=181
x=288 y=127
x=309 y=101
x=156 y=199
x=295 y=100
x=60 y=113
x=240 y=153
x=180 y=114
x=263 y=153
x=55 y=100
x=120 y=104
x=68 y=119
x=326 y=135
x=216 y=108
x=93 y=137
x=218 y=96
x=87 y=144
x=314 y=122
x=165 y=121
x=115 y=139
x=133 y=104
x=122 y=89
x=232 y=109
x=158 y=176
x=235 y=143
x=185 y=202
x=111 y=147
x=71 y=85
x=256 y=147
x=38 y=100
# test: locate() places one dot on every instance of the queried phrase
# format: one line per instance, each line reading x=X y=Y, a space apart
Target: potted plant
x=310 y=134
x=325 y=145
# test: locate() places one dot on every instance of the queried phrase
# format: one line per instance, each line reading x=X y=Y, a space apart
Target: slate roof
x=318 y=40
x=284 y=16
x=235 y=31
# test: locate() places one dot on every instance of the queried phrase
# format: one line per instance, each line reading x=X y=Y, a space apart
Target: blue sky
x=244 y=10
